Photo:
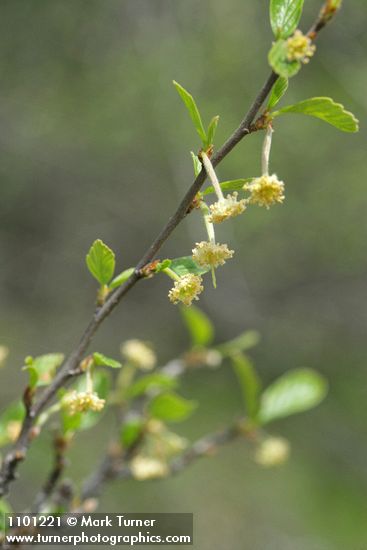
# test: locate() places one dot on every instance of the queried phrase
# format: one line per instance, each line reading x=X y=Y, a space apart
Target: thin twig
x=60 y=446
x=112 y=468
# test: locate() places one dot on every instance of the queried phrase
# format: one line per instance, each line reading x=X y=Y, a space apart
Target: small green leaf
x=249 y=382
x=131 y=431
x=241 y=343
x=212 y=128
x=101 y=262
x=326 y=109
x=101 y=360
x=71 y=422
x=278 y=91
x=199 y=326
x=193 y=111
x=294 y=392
x=12 y=417
x=196 y=163
x=230 y=185
x=185 y=264
x=42 y=369
x=279 y=61
x=121 y=278
x=285 y=16
x=163 y=265
x=155 y=381
x=171 y=407
x=335 y=4
x=5 y=508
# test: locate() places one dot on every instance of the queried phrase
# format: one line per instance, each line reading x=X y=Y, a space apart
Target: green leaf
x=241 y=343
x=335 y=4
x=193 y=111
x=163 y=265
x=12 y=417
x=101 y=360
x=155 y=381
x=279 y=61
x=326 y=109
x=171 y=407
x=5 y=508
x=121 y=278
x=70 y=422
x=278 y=91
x=230 y=185
x=131 y=431
x=212 y=128
x=185 y=264
x=294 y=392
x=196 y=163
x=285 y=16
x=42 y=369
x=101 y=262
x=249 y=382
x=199 y=326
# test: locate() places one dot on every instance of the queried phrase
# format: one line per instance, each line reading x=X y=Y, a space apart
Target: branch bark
x=112 y=467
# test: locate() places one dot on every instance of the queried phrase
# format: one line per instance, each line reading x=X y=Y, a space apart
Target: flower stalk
x=265 y=156
x=212 y=176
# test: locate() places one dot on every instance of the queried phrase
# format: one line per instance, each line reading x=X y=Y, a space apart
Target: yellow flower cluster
x=161 y=441
x=274 y=451
x=226 y=208
x=208 y=254
x=186 y=289
x=300 y=47
x=143 y=468
x=139 y=354
x=76 y=402
x=13 y=429
x=265 y=191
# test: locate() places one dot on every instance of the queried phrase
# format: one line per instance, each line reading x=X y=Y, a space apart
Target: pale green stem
x=171 y=274
x=89 y=381
x=214 y=278
x=212 y=176
x=266 y=151
x=209 y=226
x=126 y=377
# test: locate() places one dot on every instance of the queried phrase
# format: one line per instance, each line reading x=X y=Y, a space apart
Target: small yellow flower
x=274 y=451
x=174 y=444
x=76 y=402
x=143 y=468
x=4 y=352
x=300 y=47
x=226 y=208
x=265 y=191
x=208 y=254
x=186 y=289
x=13 y=429
x=139 y=354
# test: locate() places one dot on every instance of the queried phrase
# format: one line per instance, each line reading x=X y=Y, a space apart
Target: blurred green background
x=94 y=143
